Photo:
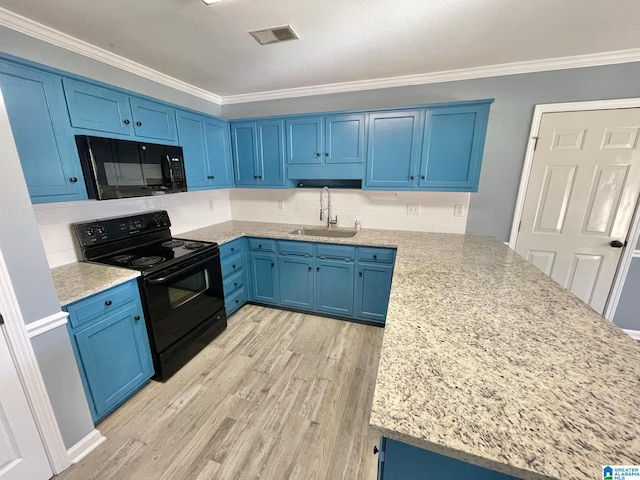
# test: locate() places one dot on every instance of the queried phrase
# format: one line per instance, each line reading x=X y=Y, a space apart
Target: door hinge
x=535 y=145
x=1 y=319
x=519 y=225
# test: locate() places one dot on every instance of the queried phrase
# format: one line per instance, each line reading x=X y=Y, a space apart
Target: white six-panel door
x=22 y=455
x=581 y=195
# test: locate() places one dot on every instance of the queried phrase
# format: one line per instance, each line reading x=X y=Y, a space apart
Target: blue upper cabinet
x=153 y=120
x=326 y=147
x=304 y=141
x=258 y=153
x=98 y=109
x=393 y=149
x=218 y=152
x=344 y=138
x=205 y=145
x=452 y=148
x=46 y=147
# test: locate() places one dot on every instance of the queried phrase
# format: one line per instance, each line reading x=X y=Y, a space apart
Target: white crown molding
x=47 y=34
x=37 y=30
x=85 y=446
x=46 y=324
x=516 y=68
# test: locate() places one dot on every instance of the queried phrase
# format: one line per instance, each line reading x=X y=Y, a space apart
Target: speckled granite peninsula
x=484 y=358
x=78 y=280
x=487 y=360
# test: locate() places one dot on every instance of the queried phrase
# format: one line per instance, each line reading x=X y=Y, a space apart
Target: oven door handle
x=156 y=281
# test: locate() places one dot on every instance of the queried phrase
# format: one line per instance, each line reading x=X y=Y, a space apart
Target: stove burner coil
x=124 y=258
x=172 y=243
x=147 y=261
x=194 y=245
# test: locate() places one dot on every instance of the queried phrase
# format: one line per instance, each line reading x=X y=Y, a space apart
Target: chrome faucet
x=330 y=221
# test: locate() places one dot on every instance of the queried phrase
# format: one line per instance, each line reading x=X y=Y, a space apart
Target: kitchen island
x=488 y=361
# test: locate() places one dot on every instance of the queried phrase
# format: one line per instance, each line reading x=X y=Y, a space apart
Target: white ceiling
x=340 y=40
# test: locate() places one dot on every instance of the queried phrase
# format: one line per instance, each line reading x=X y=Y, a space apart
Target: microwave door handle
x=170 y=168
x=156 y=281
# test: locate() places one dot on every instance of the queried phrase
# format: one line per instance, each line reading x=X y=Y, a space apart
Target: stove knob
x=101 y=230
x=89 y=232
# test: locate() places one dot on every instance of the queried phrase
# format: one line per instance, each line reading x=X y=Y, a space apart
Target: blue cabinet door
x=264 y=278
x=115 y=359
x=304 y=141
x=296 y=282
x=401 y=461
x=96 y=108
x=37 y=113
x=344 y=139
x=393 y=150
x=334 y=287
x=373 y=285
x=153 y=120
x=270 y=144
x=194 y=149
x=218 y=153
x=245 y=153
x=452 y=148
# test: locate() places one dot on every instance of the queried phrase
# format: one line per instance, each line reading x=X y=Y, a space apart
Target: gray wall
x=23 y=46
x=628 y=311
x=28 y=269
x=491 y=209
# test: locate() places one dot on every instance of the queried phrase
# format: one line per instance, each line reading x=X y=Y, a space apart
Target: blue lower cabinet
x=296 y=282
x=400 y=461
x=111 y=347
x=373 y=286
x=234 y=276
x=334 y=287
x=264 y=278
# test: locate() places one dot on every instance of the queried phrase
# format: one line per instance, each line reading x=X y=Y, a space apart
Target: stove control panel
x=112 y=229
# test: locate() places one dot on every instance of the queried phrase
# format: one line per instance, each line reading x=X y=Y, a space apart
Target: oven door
x=183 y=297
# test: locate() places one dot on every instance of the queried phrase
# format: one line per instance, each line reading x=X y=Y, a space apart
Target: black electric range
x=180 y=283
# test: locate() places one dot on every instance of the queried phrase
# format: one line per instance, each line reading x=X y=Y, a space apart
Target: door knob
x=73 y=179
x=618 y=244
x=139 y=124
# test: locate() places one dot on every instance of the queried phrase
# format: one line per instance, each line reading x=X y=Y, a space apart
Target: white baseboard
x=85 y=446
x=635 y=334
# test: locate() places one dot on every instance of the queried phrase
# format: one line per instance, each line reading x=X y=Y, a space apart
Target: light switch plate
x=280 y=204
x=413 y=209
x=211 y=204
x=458 y=210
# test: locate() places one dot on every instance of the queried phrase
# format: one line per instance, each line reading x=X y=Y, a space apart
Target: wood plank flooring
x=279 y=395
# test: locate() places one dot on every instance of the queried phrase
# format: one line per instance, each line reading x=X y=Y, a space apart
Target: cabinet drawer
x=340 y=252
x=103 y=303
x=377 y=255
x=262 y=245
x=232 y=264
x=230 y=248
x=233 y=283
x=303 y=249
x=235 y=301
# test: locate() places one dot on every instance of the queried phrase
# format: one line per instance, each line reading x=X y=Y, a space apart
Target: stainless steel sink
x=324 y=232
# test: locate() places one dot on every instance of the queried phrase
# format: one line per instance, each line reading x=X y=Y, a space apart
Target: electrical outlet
x=458 y=210
x=280 y=204
x=413 y=209
x=211 y=204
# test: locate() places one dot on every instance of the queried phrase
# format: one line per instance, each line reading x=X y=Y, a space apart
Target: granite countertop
x=488 y=360
x=78 y=280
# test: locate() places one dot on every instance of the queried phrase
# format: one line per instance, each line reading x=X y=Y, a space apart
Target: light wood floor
x=279 y=395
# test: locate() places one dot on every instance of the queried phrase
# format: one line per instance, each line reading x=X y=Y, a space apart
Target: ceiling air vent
x=274 y=35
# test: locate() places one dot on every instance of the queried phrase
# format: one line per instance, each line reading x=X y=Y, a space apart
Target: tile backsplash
x=187 y=211
x=432 y=211
x=425 y=212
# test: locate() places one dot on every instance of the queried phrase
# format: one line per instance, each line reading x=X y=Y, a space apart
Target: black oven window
x=188 y=288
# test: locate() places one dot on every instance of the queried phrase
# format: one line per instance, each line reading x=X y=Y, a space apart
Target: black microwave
x=123 y=168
